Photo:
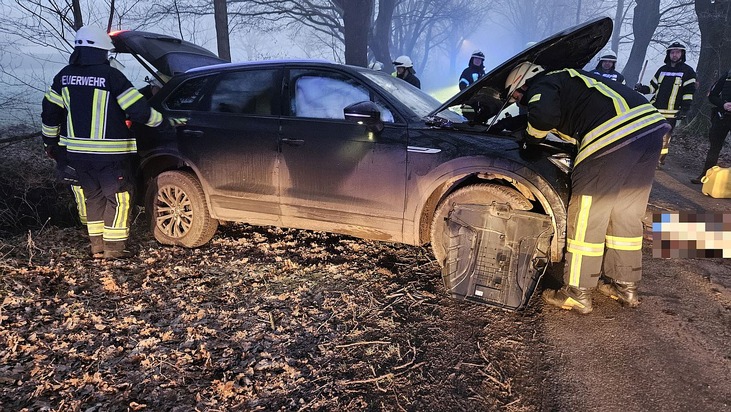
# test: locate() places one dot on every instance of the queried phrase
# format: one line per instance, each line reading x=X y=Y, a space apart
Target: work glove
x=53 y=150
x=639 y=87
x=510 y=123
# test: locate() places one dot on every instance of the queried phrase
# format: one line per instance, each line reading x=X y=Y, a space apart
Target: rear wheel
x=177 y=209
x=479 y=194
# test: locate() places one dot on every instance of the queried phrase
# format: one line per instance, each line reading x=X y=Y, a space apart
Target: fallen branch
x=371 y=380
x=374 y=342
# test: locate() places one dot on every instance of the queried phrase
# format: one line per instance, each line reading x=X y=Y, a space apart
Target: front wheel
x=177 y=209
x=478 y=194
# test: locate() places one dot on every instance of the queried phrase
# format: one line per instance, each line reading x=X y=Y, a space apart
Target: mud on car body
x=330 y=147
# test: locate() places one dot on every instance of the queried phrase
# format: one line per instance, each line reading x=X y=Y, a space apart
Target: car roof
x=279 y=62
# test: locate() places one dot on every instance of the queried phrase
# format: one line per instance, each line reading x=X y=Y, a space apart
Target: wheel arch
x=529 y=184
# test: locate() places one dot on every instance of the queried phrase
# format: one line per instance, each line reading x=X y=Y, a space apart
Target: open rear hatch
x=167 y=55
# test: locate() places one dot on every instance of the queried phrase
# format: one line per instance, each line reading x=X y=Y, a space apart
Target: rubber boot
x=97 y=247
x=570 y=298
x=116 y=250
x=623 y=292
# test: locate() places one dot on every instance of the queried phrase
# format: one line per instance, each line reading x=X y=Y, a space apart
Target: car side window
x=188 y=95
x=324 y=95
x=245 y=92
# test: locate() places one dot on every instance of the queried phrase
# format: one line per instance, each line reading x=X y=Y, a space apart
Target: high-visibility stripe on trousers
x=80 y=203
x=108 y=188
x=608 y=201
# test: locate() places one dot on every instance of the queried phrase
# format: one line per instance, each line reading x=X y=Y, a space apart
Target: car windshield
x=419 y=102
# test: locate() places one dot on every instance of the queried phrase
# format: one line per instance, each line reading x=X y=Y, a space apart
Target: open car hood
x=571 y=48
x=168 y=55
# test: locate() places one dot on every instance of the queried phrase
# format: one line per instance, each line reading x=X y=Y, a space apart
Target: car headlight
x=563 y=161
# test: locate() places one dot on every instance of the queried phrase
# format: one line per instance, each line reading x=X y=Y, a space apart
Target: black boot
x=623 y=292
x=97 y=247
x=116 y=250
x=697 y=180
x=570 y=298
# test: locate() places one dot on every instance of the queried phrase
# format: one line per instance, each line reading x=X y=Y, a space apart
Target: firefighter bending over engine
x=619 y=137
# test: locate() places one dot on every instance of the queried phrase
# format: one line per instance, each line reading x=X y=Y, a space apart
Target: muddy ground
x=277 y=319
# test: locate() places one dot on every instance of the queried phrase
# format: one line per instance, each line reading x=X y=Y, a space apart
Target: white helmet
x=520 y=74
x=91 y=36
x=403 y=61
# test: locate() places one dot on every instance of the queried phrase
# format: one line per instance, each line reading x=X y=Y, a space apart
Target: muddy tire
x=479 y=194
x=177 y=210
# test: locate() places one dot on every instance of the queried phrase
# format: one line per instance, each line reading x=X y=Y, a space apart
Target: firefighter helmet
x=92 y=36
x=676 y=46
x=478 y=54
x=520 y=74
x=403 y=61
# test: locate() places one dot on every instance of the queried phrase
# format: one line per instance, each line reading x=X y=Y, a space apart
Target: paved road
x=673 y=353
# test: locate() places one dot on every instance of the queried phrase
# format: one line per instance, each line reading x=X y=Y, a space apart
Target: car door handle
x=293 y=142
x=193 y=133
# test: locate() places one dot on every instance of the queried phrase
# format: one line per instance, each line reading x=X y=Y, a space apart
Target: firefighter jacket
x=672 y=89
x=410 y=76
x=611 y=74
x=470 y=75
x=720 y=94
x=596 y=114
x=94 y=99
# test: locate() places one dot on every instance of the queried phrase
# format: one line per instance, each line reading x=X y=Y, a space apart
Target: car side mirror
x=365 y=113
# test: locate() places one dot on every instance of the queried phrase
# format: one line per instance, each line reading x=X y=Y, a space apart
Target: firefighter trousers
x=108 y=188
x=608 y=200
x=720 y=126
x=666 y=140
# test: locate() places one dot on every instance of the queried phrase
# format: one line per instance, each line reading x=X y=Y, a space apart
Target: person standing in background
x=475 y=69
x=720 y=98
x=607 y=68
x=405 y=71
x=672 y=90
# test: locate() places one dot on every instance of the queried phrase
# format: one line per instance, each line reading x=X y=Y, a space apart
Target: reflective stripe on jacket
x=94 y=101
x=595 y=113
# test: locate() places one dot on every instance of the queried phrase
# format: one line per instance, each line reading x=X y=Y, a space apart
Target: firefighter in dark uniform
x=475 y=69
x=607 y=68
x=672 y=90
x=95 y=99
x=720 y=98
x=405 y=71
x=619 y=137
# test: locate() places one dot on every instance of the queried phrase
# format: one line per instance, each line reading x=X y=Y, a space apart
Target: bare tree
x=715 y=52
x=380 y=42
x=220 y=13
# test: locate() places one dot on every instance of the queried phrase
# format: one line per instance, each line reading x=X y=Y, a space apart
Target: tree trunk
x=356 y=25
x=644 y=23
x=111 y=16
x=220 y=15
x=381 y=39
x=78 y=17
x=715 y=55
x=617 y=30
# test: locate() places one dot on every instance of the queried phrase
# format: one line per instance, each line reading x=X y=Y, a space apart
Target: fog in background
x=28 y=68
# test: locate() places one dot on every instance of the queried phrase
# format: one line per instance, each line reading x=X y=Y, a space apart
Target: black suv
x=330 y=147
